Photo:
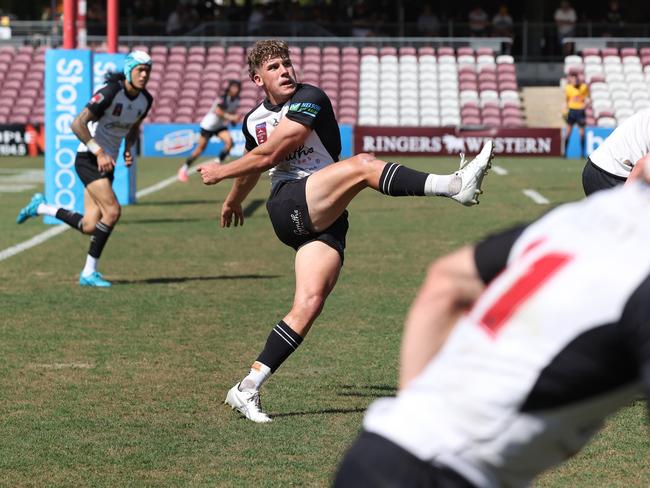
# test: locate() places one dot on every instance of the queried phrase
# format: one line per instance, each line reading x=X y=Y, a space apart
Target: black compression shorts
x=287 y=207
x=86 y=165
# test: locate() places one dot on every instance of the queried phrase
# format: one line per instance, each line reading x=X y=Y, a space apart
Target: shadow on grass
x=183 y=279
x=324 y=411
x=159 y=203
x=165 y=221
x=251 y=207
x=367 y=391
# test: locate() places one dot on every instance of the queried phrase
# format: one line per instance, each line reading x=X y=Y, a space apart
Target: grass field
x=124 y=387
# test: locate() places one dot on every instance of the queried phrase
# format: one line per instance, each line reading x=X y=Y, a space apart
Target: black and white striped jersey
x=116 y=113
x=309 y=106
x=559 y=340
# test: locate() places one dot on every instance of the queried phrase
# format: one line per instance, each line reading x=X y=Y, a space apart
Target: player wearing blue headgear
x=116 y=111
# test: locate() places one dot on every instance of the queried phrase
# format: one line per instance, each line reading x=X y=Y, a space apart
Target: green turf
x=123 y=387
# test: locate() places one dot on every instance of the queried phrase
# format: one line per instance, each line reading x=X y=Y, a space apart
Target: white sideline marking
x=59 y=229
x=536 y=197
x=499 y=170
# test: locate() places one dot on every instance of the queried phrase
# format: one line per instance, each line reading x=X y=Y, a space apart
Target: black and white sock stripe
x=103 y=227
x=387 y=176
x=288 y=335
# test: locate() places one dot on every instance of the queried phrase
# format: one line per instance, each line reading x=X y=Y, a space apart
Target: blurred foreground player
x=115 y=112
x=294 y=134
x=615 y=160
x=557 y=337
x=222 y=113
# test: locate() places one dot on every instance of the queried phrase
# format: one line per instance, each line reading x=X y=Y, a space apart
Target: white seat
x=388 y=121
x=388 y=85
x=632 y=60
x=408 y=69
x=369 y=103
x=614 y=77
x=505 y=59
x=409 y=112
x=369 y=59
x=409 y=102
x=623 y=112
x=408 y=84
x=449 y=94
x=622 y=103
x=592 y=60
x=601 y=104
x=573 y=59
x=449 y=103
x=634 y=78
x=480 y=67
x=367 y=112
x=430 y=121
x=639 y=90
x=368 y=120
x=612 y=59
x=641 y=103
x=449 y=112
x=593 y=69
x=606 y=122
x=449 y=121
x=447 y=68
x=428 y=77
x=612 y=68
x=409 y=121
x=388 y=59
x=386 y=111
x=427 y=59
x=408 y=58
x=447 y=76
x=485 y=59
x=446 y=59
x=620 y=95
x=618 y=86
x=509 y=95
x=448 y=85
x=367 y=93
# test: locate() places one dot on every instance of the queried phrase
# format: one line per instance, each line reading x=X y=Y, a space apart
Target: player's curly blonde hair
x=263 y=51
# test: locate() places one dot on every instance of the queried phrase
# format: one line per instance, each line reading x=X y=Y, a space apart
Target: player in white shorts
x=614 y=160
x=516 y=350
x=222 y=114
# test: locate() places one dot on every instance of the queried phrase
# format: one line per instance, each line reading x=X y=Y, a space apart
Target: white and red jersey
x=559 y=339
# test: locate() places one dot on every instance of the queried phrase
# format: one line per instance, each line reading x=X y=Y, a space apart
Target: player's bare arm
x=287 y=136
x=129 y=140
x=451 y=287
x=231 y=210
x=79 y=127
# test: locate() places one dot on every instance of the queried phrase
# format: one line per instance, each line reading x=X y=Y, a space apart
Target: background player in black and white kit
x=516 y=350
x=115 y=112
x=294 y=134
x=615 y=160
x=222 y=114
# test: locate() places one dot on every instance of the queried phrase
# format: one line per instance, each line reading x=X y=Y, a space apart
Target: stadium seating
x=618 y=81
x=370 y=86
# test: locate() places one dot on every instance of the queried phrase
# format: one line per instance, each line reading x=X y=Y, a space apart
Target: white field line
x=499 y=170
x=59 y=229
x=536 y=197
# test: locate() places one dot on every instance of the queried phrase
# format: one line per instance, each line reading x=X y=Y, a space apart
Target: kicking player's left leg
x=226 y=138
x=317 y=269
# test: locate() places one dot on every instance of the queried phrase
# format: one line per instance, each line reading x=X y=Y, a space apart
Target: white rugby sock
x=90 y=267
x=258 y=374
x=46 y=209
x=442 y=185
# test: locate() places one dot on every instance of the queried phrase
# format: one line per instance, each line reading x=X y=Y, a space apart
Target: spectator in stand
x=502 y=23
x=478 y=22
x=613 y=20
x=428 y=23
x=565 y=22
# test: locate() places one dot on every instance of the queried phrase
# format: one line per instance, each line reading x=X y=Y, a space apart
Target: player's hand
x=128 y=158
x=105 y=163
x=231 y=212
x=210 y=173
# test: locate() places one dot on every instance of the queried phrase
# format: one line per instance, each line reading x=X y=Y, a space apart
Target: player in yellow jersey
x=576 y=95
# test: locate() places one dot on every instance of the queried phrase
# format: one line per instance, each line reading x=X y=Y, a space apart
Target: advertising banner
x=20 y=140
x=68 y=84
x=594 y=137
x=178 y=140
x=124 y=184
x=448 y=141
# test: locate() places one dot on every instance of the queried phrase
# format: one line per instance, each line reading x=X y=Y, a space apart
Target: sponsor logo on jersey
x=260 y=133
x=117 y=111
x=97 y=98
x=300 y=152
x=306 y=108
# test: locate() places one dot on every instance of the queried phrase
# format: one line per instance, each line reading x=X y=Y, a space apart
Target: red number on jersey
x=506 y=305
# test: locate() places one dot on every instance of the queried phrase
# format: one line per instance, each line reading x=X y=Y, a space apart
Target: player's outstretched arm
x=451 y=287
x=231 y=210
x=286 y=137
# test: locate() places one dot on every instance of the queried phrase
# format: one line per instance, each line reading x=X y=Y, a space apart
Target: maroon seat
x=465 y=51
x=470 y=111
x=629 y=51
x=369 y=50
x=426 y=50
x=609 y=51
x=485 y=51
x=590 y=51
x=350 y=50
x=491 y=121
x=446 y=51
x=471 y=120
x=515 y=122
x=388 y=51
x=507 y=85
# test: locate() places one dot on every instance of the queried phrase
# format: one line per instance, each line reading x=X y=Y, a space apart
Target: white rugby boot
x=471 y=174
x=247 y=403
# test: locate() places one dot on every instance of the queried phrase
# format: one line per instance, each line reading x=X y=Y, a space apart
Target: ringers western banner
x=446 y=141
x=70 y=78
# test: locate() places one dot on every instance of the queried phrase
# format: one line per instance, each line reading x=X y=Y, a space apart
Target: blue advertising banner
x=594 y=137
x=67 y=90
x=178 y=140
x=124 y=184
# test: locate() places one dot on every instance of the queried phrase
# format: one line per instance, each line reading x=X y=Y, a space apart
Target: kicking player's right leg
x=330 y=190
x=198 y=150
x=317 y=270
